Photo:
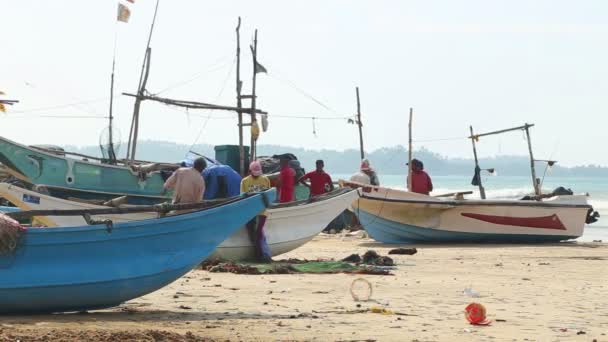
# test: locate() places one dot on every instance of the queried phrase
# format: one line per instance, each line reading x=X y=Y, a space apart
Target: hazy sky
x=490 y=64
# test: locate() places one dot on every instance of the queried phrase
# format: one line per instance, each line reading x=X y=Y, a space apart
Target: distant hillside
x=387 y=160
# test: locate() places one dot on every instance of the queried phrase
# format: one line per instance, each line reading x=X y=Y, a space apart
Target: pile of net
x=10 y=232
x=272 y=164
x=292 y=266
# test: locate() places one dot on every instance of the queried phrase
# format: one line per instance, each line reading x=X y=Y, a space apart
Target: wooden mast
x=360 y=124
x=111 y=152
x=143 y=79
x=254 y=51
x=409 y=152
x=482 y=191
x=239 y=103
x=535 y=183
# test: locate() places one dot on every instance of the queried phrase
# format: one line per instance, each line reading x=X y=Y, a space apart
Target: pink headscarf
x=255 y=168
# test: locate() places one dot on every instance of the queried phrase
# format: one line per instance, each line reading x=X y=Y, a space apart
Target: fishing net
x=10 y=232
x=287 y=267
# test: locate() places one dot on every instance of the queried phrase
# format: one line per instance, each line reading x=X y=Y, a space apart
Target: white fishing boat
x=398 y=216
x=288 y=226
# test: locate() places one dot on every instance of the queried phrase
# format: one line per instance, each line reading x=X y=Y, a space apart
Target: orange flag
x=2 y=108
x=123 y=13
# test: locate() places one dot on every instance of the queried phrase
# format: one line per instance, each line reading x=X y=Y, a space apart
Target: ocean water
x=513 y=187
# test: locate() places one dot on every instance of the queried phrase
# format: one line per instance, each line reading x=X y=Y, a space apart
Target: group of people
x=189 y=185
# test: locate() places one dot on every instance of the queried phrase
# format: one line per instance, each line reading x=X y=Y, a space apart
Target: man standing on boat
x=320 y=181
x=421 y=181
x=256 y=182
x=187 y=183
x=286 y=183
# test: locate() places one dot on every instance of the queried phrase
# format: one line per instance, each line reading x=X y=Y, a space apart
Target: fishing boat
x=288 y=226
x=398 y=216
x=93 y=267
x=56 y=171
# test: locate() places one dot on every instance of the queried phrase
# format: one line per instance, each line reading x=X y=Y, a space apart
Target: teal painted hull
x=43 y=168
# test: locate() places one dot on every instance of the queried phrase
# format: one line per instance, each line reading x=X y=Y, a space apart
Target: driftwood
x=159 y=208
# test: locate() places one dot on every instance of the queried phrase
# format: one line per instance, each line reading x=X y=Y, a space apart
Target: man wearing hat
x=366 y=174
x=421 y=181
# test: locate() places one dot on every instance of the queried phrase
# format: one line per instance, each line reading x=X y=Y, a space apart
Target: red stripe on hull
x=544 y=222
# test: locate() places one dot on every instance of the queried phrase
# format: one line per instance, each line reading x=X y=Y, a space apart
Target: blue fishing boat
x=100 y=266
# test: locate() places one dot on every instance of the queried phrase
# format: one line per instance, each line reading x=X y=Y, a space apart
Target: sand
x=553 y=292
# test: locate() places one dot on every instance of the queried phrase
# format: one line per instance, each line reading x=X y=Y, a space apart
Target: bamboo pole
x=254 y=51
x=239 y=103
x=537 y=189
x=192 y=104
x=360 y=124
x=409 y=152
x=482 y=191
x=143 y=77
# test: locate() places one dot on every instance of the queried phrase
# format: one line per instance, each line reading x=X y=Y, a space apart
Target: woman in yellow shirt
x=256 y=182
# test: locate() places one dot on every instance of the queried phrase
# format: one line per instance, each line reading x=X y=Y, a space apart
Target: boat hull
x=393 y=216
x=287 y=228
x=38 y=167
x=90 y=267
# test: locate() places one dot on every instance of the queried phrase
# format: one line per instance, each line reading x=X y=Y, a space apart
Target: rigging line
x=441 y=139
x=200 y=132
x=312 y=117
x=215 y=66
x=58 y=117
x=60 y=106
x=303 y=92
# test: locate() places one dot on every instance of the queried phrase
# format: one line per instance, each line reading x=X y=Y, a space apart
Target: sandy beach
x=552 y=292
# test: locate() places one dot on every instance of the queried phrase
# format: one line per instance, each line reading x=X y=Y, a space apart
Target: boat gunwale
x=192 y=215
x=490 y=203
x=318 y=200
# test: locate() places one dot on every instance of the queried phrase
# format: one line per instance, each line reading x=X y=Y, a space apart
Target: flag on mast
x=260 y=68
x=123 y=13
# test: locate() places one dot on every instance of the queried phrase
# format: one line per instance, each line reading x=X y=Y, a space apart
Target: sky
x=489 y=64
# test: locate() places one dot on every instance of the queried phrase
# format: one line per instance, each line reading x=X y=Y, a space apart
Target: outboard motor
x=592 y=216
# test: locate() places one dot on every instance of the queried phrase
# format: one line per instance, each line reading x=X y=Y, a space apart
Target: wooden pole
x=111 y=153
x=254 y=51
x=193 y=104
x=537 y=189
x=239 y=103
x=482 y=191
x=140 y=97
x=143 y=78
x=409 y=152
x=360 y=124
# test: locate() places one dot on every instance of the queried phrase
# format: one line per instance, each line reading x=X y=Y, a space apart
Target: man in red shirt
x=421 y=181
x=320 y=181
x=286 y=183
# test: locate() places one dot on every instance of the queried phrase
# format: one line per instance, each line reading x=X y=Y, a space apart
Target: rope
x=73 y=104
x=221 y=63
x=200 y=132
x=302 y=92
